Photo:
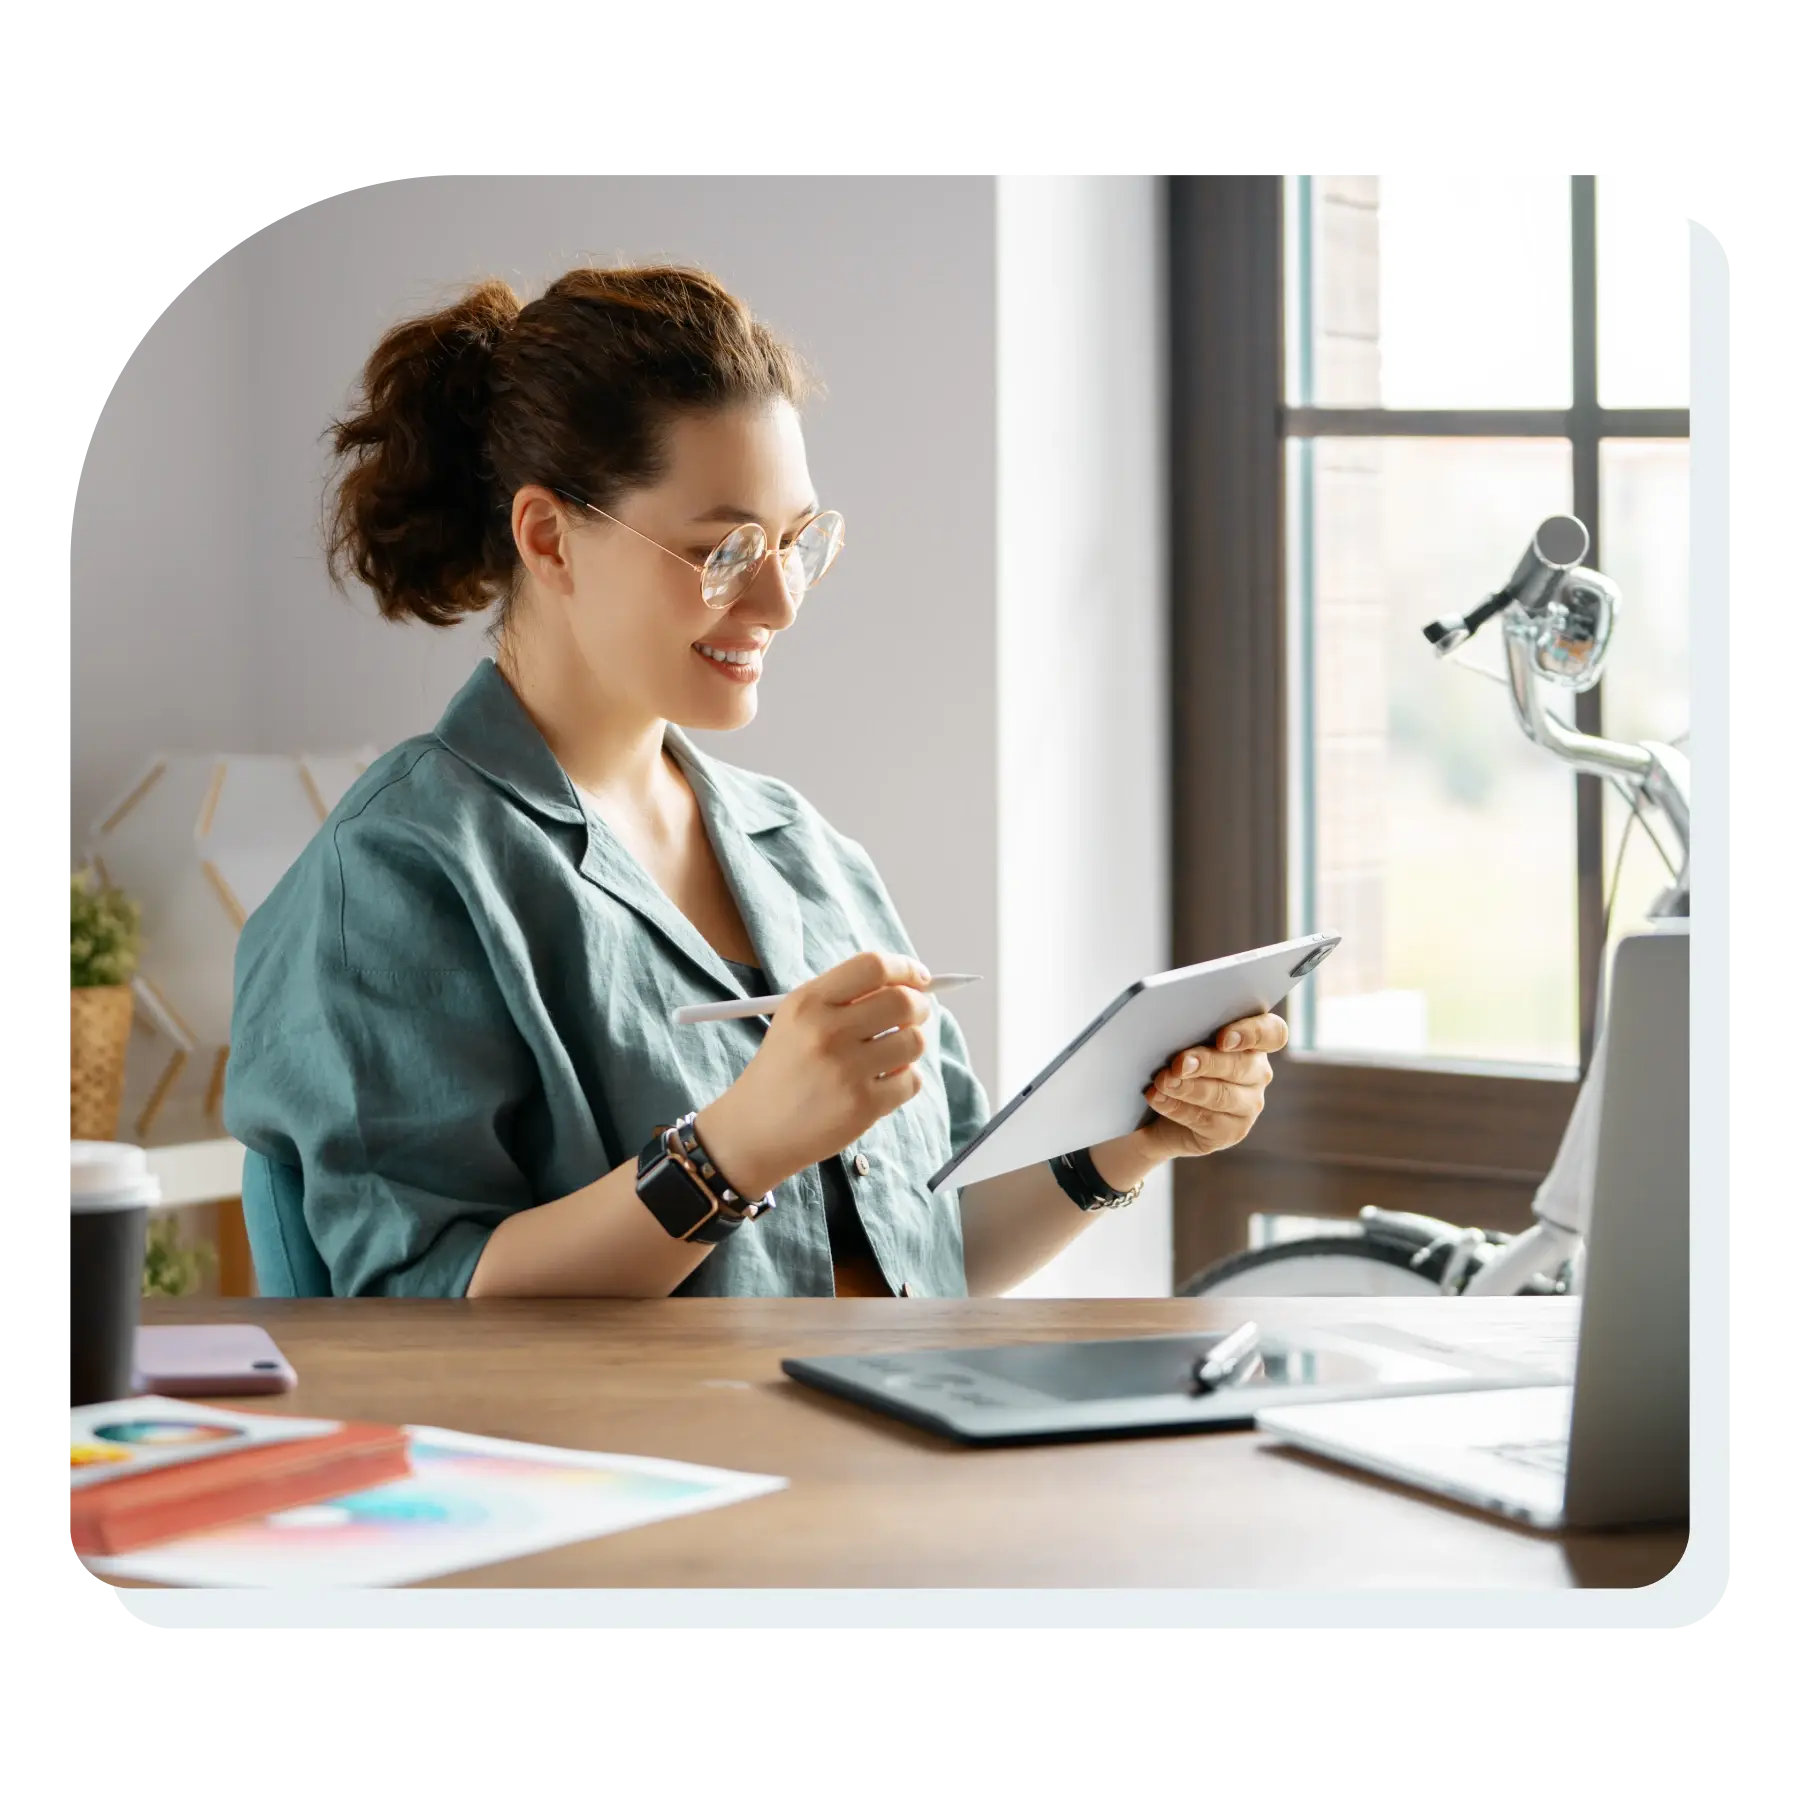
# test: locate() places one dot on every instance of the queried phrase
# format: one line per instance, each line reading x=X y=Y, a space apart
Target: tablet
x=1094 y=1088
x=1011 y=1394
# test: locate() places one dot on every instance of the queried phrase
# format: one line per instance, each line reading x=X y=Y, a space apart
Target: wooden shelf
x=198 y=1170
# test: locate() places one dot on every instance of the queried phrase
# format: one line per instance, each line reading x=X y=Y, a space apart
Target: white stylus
x=756 y=1006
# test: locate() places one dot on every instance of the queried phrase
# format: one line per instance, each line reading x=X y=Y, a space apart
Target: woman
x=452 y=1019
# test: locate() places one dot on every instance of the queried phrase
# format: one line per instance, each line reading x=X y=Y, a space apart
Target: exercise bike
x=1557 y=620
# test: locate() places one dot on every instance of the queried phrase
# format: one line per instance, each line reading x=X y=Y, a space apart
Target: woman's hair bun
x=459 y=409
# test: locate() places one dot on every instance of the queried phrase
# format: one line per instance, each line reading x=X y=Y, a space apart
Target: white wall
x=976 y=694
x=1083 y=775
x=160 y=630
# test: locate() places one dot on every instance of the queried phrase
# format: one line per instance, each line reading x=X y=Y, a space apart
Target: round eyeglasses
x=737 y=557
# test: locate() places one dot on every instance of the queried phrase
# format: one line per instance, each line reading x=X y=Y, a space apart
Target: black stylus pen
x=1229 y=1359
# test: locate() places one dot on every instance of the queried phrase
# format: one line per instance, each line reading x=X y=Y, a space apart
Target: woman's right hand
x=841 y=1052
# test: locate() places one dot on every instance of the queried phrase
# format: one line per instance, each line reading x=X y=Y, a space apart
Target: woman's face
x=635 y=614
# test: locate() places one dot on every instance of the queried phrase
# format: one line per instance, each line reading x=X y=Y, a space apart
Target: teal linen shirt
x=456 y=1004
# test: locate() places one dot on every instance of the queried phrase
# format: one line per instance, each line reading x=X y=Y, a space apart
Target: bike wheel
x=1332 y=1264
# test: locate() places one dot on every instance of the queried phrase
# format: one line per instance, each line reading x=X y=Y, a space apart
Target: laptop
x=1612 y=1448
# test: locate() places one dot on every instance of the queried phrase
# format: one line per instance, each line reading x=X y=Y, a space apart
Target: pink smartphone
x=210 y=1360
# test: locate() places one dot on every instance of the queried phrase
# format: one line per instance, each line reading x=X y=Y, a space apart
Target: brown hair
x=459 y=409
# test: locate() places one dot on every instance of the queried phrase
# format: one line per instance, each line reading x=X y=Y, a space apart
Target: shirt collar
x=486 y=725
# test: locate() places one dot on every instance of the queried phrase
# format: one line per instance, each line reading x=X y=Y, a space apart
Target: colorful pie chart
x=165 y=1432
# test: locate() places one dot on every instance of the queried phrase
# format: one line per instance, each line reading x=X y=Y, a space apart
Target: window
x=1379 y=388
x=1448 y=340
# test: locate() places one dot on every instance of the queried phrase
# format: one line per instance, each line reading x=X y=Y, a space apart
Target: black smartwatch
x=678 y=1182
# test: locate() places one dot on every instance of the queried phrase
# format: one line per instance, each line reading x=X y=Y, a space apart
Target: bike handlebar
x=1557 y=621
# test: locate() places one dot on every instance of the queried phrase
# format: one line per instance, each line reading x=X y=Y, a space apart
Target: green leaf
x=170 y=1267
x=104 y=929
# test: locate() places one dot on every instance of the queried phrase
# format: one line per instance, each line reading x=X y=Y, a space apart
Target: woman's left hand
x=1208 y=1098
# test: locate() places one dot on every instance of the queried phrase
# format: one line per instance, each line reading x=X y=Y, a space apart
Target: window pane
x=1426 y=828
x=1641 y=273
x=1644 y=548
x=1428 y=291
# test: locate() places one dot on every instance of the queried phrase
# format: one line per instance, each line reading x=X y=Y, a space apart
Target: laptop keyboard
x=1551 y=1455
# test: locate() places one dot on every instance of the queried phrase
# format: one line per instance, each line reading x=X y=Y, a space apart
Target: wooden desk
x=874 y=1503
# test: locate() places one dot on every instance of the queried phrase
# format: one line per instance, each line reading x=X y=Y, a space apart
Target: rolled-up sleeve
x=373 y=1053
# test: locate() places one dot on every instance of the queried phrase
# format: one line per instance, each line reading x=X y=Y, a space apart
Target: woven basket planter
x=99 y=1033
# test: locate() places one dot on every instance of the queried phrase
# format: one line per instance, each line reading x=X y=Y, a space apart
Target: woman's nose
x=768 y=597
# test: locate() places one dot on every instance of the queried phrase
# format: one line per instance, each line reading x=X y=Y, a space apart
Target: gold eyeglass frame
x=754 y=567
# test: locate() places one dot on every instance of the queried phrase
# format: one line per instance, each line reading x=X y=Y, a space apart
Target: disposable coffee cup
x=111 y=1192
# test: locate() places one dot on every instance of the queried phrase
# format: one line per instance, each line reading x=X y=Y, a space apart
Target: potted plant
x=170 y=1266
x=103 y=953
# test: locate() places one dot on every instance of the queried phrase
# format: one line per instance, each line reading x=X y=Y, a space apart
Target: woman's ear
x=541 y=533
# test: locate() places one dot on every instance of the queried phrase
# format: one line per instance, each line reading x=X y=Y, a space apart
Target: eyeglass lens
x=735 y=562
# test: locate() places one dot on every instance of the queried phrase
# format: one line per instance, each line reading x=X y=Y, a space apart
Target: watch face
x=671 y=1194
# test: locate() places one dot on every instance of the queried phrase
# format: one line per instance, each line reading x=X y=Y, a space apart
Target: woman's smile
x=736 y=663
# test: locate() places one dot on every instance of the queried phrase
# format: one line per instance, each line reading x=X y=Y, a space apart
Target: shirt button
x=862 y=1164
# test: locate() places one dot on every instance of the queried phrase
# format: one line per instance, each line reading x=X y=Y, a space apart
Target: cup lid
x=103 y=1175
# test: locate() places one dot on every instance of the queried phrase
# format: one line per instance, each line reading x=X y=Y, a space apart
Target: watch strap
x=679 y=1202
x=685 y=1191
x=729 y=1199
